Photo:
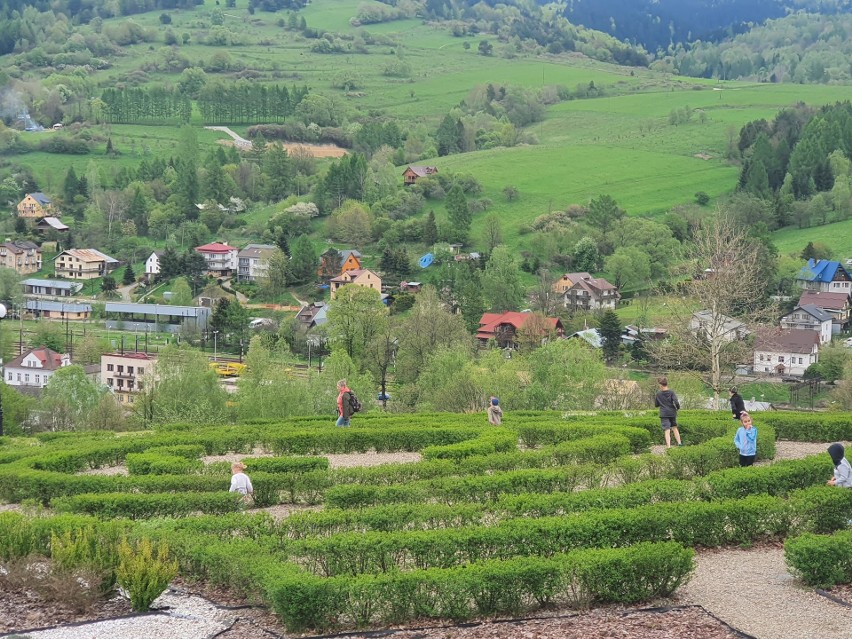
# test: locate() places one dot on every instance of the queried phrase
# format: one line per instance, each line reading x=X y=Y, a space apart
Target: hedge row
x=576 y=579
x=111 y=505
x=821 y=560
x=811 y=427
x=691 y=523
x=21 y=535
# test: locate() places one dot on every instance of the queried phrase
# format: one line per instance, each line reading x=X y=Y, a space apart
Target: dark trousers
x=747 y=460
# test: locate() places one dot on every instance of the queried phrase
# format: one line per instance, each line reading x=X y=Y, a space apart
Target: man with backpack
x=347 y=404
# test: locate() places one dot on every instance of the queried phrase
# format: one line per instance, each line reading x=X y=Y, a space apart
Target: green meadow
x=837 y=236
x=620 y=143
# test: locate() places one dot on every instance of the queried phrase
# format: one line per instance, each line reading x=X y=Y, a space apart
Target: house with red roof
x=589 y=293
x=503 y=328
x=835 y=304
x=221 y=258
x=34 y=367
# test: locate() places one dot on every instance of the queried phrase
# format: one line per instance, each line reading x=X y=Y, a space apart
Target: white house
x=717 y=325
x=152 y=266
x=811 y=318
x=786 y=352
x=827 y=276
x=253 y=261
x=34 y=367
x=591 y=294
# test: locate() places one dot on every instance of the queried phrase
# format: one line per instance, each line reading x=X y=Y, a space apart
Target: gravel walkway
x=184 y=617
x=371 y=459
x=752 y=590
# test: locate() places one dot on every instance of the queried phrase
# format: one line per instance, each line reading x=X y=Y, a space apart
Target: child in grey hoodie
x=842 y=470
x=666 y=400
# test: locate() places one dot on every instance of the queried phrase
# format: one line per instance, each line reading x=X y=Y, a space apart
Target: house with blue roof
x=827 y=276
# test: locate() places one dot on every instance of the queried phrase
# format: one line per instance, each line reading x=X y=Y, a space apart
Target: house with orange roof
x=503 y=328
x=83 y=264
x=35 y=367
x=220 y=257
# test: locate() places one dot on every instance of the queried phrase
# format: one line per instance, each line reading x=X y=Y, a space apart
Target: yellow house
x=83 y=264
x=35 y=205
x=568 y=280
x=359 y=277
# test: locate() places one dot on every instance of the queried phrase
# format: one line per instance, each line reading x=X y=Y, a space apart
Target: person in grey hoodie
x=667 y=402
x=842 y=470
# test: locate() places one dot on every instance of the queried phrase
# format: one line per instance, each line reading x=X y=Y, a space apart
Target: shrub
x=821 y=560
x=144 y=571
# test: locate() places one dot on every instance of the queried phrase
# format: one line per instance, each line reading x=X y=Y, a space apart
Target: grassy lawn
x=837 y=236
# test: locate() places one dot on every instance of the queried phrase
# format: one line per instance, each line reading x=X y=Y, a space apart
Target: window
x=27 y=378
x=140 y=370
x=130 y=398
x=38 y=379
x=120 y=368
x=109 y=367
x=801 y=361
x=121 y=398
x=121 y=383
x=761 y=357
x=130 y=384
x=139 y=385
x=130 y=370
x=780 y=358
x=19 y=377
x=109 y=382
x=10 y=377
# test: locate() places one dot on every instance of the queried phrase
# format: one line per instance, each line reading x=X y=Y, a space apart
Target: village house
x=49 y=309
x=312 y=315
x=152 y=266
x=127 y=374
x=503 y=328
x=334 y=262
x=359 y=277
x=786 y=352
x=50 y=288
x=50 y=223
x=413 y=172
x=253 y=261
x=564 y=283
x=811 y=318
x=220 y=257
x=591 y=294
x=23 y=256
x=35 y=205
x=83 y=264
x=824 y=275
x=35 y=367
x=717 y=326
x=835 y=304
x=410 y=287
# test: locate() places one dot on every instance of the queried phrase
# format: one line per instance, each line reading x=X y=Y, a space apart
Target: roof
x=787 y=341
x=134 y=355
x=161 y=310
x=594 y=285
x=39 y=197
x=88 y=255
x=63 y=284
x=344 y=255
x=728 y=323
x=52 y=222
x=349 y=276
x=591 y=336
x=308 y=312
x=823 y=299
x=820 y=271
x=421 y=171
x=489 y=323
x=68 y=307
x=573 y=277
x=814 y=311
x=256 y=250
x=216 y=247
x=21 y=246
x=50 y=360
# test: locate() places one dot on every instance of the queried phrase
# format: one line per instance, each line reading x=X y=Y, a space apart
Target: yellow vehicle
x=228 y=369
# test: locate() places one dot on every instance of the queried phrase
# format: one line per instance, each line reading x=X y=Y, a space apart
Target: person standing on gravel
x=737 y=403
x=344 y=406
x=495 y=413
x=668 y=404
x=746 y=440
x=240 y=482
x=842 y=470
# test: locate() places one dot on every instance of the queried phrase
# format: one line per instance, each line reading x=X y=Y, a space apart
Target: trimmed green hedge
x=112 y=505
x=822 y=561
x=577 y=579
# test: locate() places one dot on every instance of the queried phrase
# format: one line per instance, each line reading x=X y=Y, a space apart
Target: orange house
x=35 y=205
x=334 y=263
x=361 y=277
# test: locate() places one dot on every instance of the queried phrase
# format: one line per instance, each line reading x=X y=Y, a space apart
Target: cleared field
x=837 y=236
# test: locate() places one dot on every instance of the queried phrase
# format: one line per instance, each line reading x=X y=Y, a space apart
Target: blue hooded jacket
x=746 y=441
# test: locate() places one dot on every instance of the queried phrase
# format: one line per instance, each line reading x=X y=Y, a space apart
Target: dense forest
x=659 y=24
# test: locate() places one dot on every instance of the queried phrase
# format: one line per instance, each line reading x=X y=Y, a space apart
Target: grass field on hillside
x=837 y=236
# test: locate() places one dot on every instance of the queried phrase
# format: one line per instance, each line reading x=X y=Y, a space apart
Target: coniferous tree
x=129 y=275
x=459 y=213
x=610 y=330
x=430 y=230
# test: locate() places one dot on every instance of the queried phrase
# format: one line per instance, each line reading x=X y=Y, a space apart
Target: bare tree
x=727 y=286
x=114 y=204
x=492 y=234
x=545 y=299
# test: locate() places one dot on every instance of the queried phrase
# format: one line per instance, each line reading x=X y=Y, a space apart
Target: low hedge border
x=821 y=561
x=111 y=505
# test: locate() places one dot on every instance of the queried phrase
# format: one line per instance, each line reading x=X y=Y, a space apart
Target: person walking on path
x=842 y=470
x=737 y=403
x=746 y=440
x=495 y=413
x=344 y=405
x=667 y=402
x=240 y=482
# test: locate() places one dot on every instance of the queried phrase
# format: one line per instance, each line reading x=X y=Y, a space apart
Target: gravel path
x=184 y=617
x=752 y=590
x=371 y=459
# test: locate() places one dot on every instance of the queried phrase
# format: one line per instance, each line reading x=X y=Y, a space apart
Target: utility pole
x=2 y=315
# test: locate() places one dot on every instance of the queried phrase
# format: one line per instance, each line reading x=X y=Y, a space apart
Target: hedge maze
x=546 y=510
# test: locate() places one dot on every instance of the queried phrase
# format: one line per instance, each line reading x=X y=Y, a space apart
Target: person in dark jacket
x=737 y=403
x=668 y=404
x=344 y=407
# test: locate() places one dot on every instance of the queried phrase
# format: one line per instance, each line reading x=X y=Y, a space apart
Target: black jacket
x=737 y=405
x=667 y=401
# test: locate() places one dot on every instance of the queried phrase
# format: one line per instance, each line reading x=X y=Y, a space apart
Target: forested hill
x=657 y=24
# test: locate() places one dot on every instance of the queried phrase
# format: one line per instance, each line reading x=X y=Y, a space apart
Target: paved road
x=239 y=141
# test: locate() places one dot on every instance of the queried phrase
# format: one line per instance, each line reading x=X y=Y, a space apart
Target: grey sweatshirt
x=667 y=401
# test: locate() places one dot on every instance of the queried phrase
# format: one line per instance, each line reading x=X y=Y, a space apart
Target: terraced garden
x=549 y=510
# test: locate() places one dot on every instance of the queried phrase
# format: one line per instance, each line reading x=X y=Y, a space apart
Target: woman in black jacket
x=737 y=403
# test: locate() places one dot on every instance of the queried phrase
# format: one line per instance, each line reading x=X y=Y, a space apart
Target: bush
x=144 y=571
x=821 y=560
